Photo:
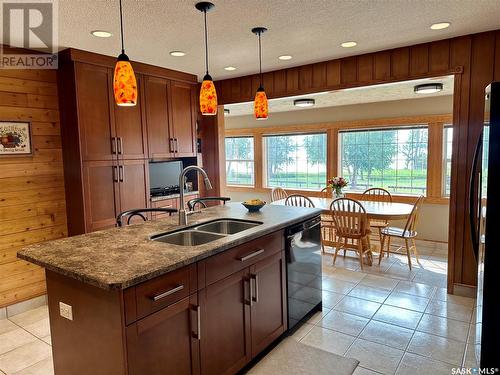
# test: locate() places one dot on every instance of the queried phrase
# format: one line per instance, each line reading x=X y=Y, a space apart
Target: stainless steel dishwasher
x=303 y=269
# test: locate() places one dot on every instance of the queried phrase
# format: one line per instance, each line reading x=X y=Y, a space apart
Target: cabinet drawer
x=164 y=203
x=160 y=292
x=219 y=266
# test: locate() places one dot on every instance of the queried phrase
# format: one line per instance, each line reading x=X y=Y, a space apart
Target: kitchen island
x=123 y=303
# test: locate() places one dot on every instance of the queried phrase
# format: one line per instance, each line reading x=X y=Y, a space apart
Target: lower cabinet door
x=134 y=191
x=225 y=322
x=166 y=342
x=268 y=310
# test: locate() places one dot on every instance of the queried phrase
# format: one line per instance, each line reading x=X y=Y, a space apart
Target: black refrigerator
x=484 y=210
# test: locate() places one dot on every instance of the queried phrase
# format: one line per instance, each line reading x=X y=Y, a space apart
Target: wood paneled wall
x=32 y=203
x=475 y=62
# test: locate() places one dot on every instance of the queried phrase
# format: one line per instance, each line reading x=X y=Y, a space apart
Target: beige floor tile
x=326 y=339
x=436 y=347
x=407 y=301
x=379 y=282
x=316 y=317
x=413 y=364
x=387 y=334
x=442 y=295
x=24 y=356
x=347 y=275
x=40 y=328
x=400 y=317
x=369 y=293
x=415 y=289
x=28 y=305
x=6 y=326
x=364 y=371
x=14 y=339
x=337 y=286
x=375 y=356
x=47 y=339
x=470 y=360
x=44 y=367
x=436 y=325
x=357 y=306
x=430 y=278
x=302 y=331
x=449 y=310
x=344 y=322
x=31 y=316
x=330 y=299
x=3 y=313
x=472 y=338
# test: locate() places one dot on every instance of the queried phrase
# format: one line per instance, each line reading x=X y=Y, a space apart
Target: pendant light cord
x=260 y=61
x=121 y=26
x=206 y=41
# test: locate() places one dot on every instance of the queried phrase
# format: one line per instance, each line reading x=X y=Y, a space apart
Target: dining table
x=375 y=210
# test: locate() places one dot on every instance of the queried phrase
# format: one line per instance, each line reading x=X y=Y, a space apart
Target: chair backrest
x=278 y=193
x=199 y=203
x=377 y=195
x=298 y=200
x=140 y=212
x=325 y=192
x=349 y=217
x=411 y=222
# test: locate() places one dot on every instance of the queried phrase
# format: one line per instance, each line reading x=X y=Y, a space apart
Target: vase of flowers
x=337 y=184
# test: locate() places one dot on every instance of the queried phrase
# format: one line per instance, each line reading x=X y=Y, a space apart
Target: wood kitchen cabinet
x=94 y=129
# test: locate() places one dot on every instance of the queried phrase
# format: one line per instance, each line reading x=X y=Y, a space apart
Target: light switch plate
x=66 y=311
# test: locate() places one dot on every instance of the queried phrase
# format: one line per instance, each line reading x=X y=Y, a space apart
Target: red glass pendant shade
x=124 y=82
x=260 y=105
x=208 y=97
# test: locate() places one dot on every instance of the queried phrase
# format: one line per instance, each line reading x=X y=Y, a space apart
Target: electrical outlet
x=66 y=311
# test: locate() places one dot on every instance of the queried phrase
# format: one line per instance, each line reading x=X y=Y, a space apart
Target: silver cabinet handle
x=198 y=323
x=176 y=145
x=167 y=293
x=115 y=173
x=121 y=173
x=251 y=255
x=255 y=278
x=120 y=145
x=113 y=145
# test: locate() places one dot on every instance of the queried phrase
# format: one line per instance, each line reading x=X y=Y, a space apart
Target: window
x=296 y=161
x=239 y=161
x=394 y=159
x=448 y=143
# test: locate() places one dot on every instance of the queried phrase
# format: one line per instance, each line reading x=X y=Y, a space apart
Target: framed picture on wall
x=15 y=138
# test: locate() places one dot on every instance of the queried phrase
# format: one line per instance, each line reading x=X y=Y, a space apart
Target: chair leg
x=380 y=239
x=360 y=253
x=415 y=250
x=382 y=243
x=408 y=253
x=335 y=255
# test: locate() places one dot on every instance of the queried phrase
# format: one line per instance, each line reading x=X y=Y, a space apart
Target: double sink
x=205 y=232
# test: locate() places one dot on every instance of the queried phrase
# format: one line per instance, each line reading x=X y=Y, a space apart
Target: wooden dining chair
x=407 y=234
x=352 y=227
x=278 y=193
x=327 y=228
x=377 y=195
x=298 y=200
x=326 y=192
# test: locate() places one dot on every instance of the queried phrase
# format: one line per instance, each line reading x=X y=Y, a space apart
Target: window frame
x=240 y=160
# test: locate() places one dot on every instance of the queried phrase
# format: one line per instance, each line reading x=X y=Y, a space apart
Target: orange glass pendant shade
x=208 y=97
x=124 y=83
x=260 y=105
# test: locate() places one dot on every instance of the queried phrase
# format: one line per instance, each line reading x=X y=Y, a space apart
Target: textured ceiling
x=365 y=94
x=309 y=30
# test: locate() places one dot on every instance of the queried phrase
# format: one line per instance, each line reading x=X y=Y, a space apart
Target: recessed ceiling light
x=177 y=53
x=229 y=68
x=349 y=44
x=226 y=111
x=440 y=25
x=285 y=57
x=304 y=102
x=428 y=88
x=101 y=33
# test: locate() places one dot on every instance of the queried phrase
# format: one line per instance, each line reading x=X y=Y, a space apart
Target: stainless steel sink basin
x=187 y=238
x=226 y=226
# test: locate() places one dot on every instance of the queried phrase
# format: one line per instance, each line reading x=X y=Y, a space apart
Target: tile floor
x=394 y=321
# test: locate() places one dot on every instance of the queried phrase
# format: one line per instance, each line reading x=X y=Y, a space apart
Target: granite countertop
x=119 y=258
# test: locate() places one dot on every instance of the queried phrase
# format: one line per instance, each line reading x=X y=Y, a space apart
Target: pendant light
x=260 y=105
x=208 y=96
x=124 y=82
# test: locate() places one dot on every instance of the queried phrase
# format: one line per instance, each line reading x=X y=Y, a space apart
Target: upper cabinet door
x=157 y=117
x=94 y=93
x=131 y=128
x=183 y=118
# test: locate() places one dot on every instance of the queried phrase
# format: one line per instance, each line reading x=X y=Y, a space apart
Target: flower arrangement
x=337 y=184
